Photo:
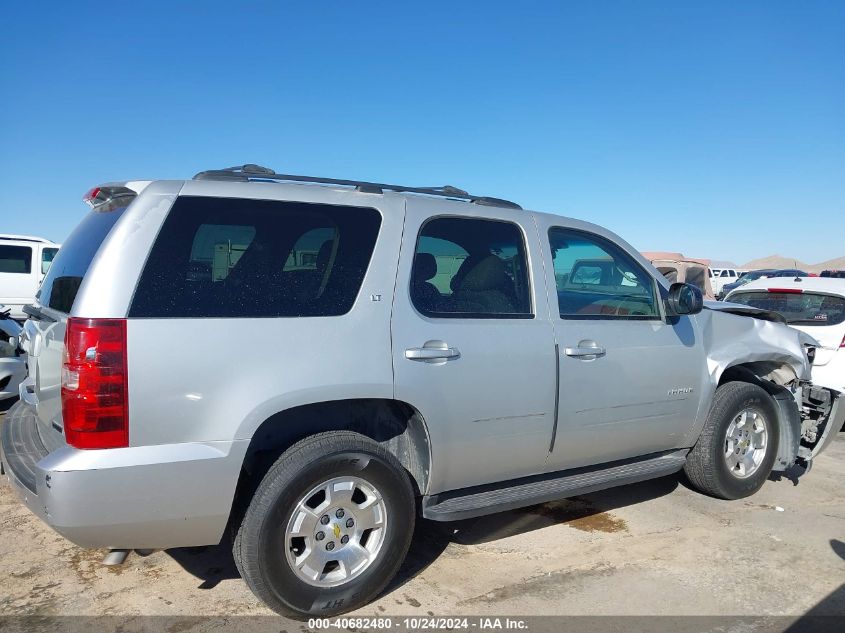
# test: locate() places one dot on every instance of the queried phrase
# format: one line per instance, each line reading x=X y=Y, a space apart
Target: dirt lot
x=652 y=548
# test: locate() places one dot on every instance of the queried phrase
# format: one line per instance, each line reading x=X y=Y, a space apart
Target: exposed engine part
x=816 y=408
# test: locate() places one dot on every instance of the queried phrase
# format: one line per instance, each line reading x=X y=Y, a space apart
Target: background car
x=836 y=274
x=24 y=261
x=753 y=275
x=12 y=363
x=815 y=305
x=723 y=277
x=676 y=267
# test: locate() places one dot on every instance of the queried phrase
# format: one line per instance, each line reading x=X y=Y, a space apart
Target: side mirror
x=684 y=299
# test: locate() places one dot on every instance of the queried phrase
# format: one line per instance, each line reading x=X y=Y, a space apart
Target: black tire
x=261 y=553
x=707 y=467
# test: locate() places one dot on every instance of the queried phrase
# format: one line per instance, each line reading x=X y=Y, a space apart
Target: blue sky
x=713 y=128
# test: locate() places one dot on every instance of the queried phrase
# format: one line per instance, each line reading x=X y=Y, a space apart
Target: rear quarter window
x=239 y=258
x=65 y=273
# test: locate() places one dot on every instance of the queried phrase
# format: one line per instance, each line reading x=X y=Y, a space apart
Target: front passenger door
x=630 y=379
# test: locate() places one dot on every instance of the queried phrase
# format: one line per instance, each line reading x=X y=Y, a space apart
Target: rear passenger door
x=473 y=347
x=630 y=379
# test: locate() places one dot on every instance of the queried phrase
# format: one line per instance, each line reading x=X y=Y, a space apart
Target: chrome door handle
x=585 y=352
x=431 y=353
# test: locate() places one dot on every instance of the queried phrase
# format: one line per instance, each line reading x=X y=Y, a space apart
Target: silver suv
x=307 y=364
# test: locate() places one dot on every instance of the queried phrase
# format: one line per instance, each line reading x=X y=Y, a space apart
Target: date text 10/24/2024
x=426 y=623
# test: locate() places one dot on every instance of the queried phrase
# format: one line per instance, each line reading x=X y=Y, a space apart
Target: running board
x=519 y=493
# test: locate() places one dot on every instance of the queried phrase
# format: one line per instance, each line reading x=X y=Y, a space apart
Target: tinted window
x=228 y=257
x=15 y=259
x=465 y=267
x=47 y=257
x=806 y=308
x=595 y=278
x=59 y=287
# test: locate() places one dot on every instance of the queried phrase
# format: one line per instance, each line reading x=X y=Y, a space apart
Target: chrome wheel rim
x=746 y=443
x=336 y=531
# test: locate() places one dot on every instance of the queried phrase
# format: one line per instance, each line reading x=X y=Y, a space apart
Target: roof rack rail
x=250 y=172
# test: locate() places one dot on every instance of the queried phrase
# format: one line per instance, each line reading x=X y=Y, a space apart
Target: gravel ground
x=651 y=548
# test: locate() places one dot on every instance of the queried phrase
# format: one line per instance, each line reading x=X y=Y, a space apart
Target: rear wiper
x=36 y=313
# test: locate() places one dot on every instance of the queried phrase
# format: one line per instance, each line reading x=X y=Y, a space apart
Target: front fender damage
x=775 y=351
x=758 y=346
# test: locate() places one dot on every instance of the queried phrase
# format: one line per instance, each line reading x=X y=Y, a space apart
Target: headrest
x=425 y=267
x=488 y=274
x=323 y=255
x=467 y=265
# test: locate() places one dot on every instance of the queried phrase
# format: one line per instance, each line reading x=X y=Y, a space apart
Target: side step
x=527 y=491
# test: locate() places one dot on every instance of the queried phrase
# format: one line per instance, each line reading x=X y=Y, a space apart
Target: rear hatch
x=43 y=336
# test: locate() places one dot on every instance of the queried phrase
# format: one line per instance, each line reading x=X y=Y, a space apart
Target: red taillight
x=99 y=196
x=93 y=197
x=95 y=398
x=786 y=291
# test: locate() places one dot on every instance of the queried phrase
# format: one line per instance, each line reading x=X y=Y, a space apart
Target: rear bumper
x=150 y=497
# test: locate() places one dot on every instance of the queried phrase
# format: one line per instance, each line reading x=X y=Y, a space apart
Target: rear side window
x=236 y=258
x=15 y=259
x=470 y=268
x=59 y=288
x=805 y=308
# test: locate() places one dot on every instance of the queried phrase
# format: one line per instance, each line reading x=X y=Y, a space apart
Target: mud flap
x=790 y=430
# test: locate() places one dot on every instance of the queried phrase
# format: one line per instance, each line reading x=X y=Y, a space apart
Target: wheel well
x=396 y=425
x=770 y=375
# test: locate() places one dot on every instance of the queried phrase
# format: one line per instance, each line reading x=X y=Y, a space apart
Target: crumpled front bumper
x=835 y=423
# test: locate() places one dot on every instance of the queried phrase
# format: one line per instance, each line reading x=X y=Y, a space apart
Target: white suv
x=24 y=261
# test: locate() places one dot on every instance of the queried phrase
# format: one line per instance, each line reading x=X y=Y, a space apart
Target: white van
x=24 y=261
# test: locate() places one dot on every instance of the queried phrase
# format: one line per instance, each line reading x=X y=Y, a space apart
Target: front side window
x=236 y=258
x=798 y=308
x=597 y=279
x=470 y=268
x=15 y=259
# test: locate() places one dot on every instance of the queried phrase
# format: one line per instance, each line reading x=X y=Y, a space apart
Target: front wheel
x=328 y=527
x=737 y=448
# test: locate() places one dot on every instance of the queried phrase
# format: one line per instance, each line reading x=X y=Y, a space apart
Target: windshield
x=752 y=276
x=805 y=308
x=71 y=263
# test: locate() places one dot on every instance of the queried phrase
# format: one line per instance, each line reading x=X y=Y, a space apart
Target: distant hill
x=831 y=264
x=722 y=263
x=778 y=261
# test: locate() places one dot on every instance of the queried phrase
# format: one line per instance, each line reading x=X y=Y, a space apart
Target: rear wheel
x=737 y=448
x=328 y=527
